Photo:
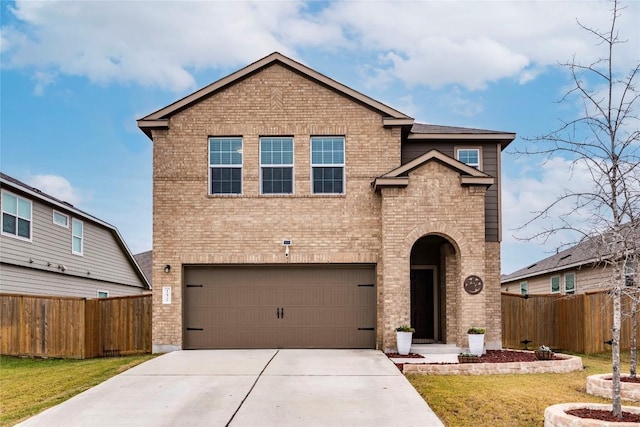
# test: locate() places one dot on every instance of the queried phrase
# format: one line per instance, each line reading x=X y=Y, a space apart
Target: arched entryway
x=428 y=288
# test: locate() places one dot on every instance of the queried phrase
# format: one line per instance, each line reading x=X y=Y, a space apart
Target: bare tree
x=604 y=141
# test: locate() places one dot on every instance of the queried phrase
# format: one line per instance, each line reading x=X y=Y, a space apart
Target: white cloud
x=59 y=188
x=537 y=188
x=430 y=43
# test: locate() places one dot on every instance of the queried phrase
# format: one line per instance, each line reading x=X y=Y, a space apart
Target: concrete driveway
x=250 y=388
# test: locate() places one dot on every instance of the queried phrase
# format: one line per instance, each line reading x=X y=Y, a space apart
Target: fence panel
x=45 y=326
x=579 y=323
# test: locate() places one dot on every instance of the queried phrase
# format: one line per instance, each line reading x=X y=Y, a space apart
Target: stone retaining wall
x=601 y=385
x=567 y=364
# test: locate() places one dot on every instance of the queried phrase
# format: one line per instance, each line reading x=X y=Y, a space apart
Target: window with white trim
x=524 y=288
x=570 y=283
x=629 y=272
x=60 y=219
x=469 y=156
x=103 y=294
x=555 y=284
x=16 y=216
x=77 y=236
x=225 y=165
x=327 y=165
x=276 y=165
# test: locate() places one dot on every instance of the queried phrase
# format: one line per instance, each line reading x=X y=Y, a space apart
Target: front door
x=423 y=305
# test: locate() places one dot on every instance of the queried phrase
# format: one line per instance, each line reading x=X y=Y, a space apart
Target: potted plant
x=476 y=340
x=468 y=358
x=544 y=353
x=404 y=335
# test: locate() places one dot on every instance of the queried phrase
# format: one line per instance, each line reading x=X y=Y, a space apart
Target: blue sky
x=76 y=75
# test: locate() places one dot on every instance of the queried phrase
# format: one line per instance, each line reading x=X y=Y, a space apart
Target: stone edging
x=567 y=364
x=555 y=415
x=599 y=385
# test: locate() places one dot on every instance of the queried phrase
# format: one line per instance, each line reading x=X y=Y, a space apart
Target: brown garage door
x=279 y=307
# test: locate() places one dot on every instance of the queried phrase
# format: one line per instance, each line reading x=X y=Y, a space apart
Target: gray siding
x=413 y=149
x=103 y=261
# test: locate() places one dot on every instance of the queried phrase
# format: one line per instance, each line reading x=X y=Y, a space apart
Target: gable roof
x=586 y=252
x=145 y=261
x=398 y=177
x=421 y=131
x=160 y=118
x=35 y=193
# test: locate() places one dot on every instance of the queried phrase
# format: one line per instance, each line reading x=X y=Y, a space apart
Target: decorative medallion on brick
x=473 y=284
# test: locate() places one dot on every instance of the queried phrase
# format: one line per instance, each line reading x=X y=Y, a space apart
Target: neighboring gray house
x=578 y=269
x=48 y=247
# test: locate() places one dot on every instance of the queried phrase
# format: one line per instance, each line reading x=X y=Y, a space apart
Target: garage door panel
x=280 y=307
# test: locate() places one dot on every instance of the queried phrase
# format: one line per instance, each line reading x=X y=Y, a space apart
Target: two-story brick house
x=292 y=211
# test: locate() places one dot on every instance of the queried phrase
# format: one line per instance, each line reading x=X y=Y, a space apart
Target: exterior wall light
x=167 y=268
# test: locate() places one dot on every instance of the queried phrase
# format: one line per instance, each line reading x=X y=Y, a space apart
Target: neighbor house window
x=629 y=272
x=16 y=216
x=327 y=164
x=524 y=288
x=77 y=236
x=469 y=156
x=570 y=283
x=225 y=165
x=555 y=284
x=276 y=165
x=60 y=219
x=103 y=294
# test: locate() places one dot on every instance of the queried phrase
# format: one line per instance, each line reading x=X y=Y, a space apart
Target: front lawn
x=508 y=400
x=28 y=386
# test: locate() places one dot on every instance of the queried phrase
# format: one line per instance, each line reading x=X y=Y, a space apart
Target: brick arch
x=457 y=239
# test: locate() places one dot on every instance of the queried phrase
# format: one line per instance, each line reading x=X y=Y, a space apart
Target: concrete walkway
x=250 y=388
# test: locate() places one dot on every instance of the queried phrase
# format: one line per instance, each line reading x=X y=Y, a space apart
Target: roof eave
x=393 y=121
x=477 y=180
x=386 y=182
x=506 y=137
x=147 y=125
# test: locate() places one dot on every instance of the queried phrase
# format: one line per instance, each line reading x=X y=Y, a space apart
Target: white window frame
x=100 y=291
x=17 y=215
x=226 y=166
x=524 y=288
x=65 y=216
x=73 y=236
x=566 y=291
x=473 y=165
x=559 y=284
x=278 y=165
x=329 y=165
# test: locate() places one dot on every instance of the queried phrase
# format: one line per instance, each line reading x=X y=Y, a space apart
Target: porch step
x=435 y=349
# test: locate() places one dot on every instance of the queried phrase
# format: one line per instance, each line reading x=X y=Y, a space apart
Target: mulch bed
x=406 y=356
x=598 y=414
x=635 y=380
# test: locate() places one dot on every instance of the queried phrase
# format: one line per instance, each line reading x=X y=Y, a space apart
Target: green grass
x=29 y=386
x=508 y=400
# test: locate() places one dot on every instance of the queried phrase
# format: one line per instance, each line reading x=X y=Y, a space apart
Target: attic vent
x=565 y=257
x=531 y=266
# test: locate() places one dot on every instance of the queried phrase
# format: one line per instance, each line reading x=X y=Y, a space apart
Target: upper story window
x=555 y=284
x=16 y=216
x=225 y=165
x=570 y=283
x=469 y=156
x=77 y=231
x=60 y=219
x=524 y=288
x=276 y=165
x=327 y=165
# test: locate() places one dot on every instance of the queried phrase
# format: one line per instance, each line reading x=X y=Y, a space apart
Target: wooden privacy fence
x=79 y=328
x=580 y=323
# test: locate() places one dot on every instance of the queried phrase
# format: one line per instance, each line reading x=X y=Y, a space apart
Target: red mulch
x=635 y=380
x=601 y=415
x=408 y=356
x=504 y=356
